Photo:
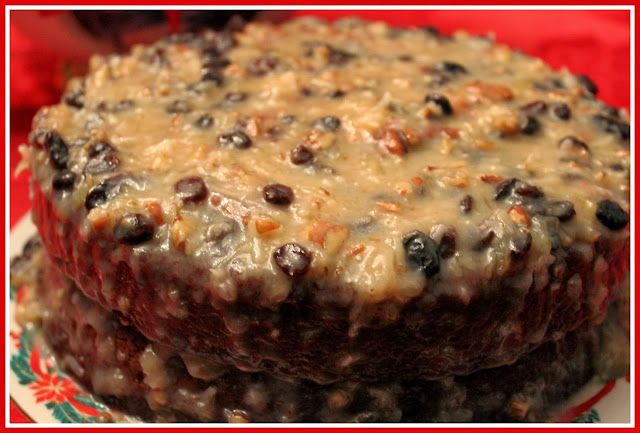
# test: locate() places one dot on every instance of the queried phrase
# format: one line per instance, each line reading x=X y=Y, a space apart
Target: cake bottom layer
x=158 y=383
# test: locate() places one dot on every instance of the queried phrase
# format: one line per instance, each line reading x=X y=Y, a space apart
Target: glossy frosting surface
x=386 y=162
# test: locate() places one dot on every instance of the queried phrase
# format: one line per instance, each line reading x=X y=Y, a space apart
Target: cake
x=324 y=204
x=159 y=383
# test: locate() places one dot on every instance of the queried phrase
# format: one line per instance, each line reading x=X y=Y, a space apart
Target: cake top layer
x=381 y=161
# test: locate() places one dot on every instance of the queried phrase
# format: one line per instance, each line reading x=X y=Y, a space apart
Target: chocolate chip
x=534 y=108
x=616 y=166
x=588 y=84
x=133 y=229
x=561 y=111
x=213 y=75
x=533 y=207
x=528 y=190
x=337 y=94
x=31 y=246
x=210 y=53
x=485 y=237
x=563 y=210
x=504 y=188
x=234 y=97
x=179 y=106
x=338 y=57
x=405 y=58
x=466 y=204
x=204 y=122
x=58 y=149
x=611 y=111
x=529 y=125
x=613 y=126
x=102 y=106
x=301 y=155
x=215 y=63
x=96 y=196
x=393 y=107
x=421 y=253
x=306 y=92
x=262 y=66
x=549 y=84
x=451 y=67
x=441 y=101
x=611 y=215
x=74 y=99
x=274 y=132
x=571 y=148
x=191 y=189
x=63 y=180
x=328 y=123
x=431 y=30
x=292 y=259
x=236 y=139
x=447 y=246
x=277 y=194
x=574 y=142
x=108 y=189
x=520 y=244
x=335 y=56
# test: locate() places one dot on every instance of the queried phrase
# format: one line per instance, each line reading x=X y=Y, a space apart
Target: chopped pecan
x=265 y=225
x=155 y=210
x=495 y=92
x=388 y=206
x=328 y=235
x=491 y=178
x=519 y=215
x=395 y=141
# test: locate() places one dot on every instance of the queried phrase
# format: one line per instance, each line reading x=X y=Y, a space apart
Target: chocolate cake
x=337 y=203
x=160 y=383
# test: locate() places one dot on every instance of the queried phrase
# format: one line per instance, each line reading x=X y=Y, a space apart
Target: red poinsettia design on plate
x=53 y=387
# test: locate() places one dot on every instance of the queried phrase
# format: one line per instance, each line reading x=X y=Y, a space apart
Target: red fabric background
x=595 y=43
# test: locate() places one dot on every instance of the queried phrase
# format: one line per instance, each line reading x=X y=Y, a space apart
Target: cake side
x=115 y=362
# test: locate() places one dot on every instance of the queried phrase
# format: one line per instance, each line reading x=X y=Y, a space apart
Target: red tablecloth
x=590 y=42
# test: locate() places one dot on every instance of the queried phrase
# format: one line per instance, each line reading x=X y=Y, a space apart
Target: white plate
x=47 y=395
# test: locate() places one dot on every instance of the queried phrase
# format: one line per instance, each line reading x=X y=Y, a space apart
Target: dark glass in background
x=112 y=25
